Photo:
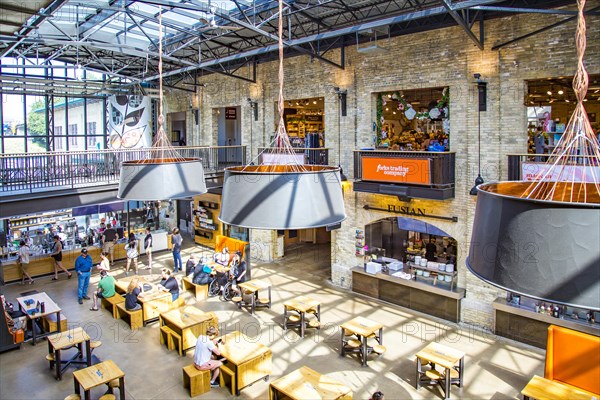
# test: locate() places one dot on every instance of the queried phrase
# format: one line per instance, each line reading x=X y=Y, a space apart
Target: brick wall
x=444 y=57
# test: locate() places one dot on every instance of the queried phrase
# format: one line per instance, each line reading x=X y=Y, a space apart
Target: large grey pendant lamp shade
x=164 y=174
x=541 y=239
x=282 y=196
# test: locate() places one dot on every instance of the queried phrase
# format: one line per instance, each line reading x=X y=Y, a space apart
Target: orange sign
x=396 y=170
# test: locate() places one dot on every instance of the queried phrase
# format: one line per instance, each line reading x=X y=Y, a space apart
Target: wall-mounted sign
x=396 y=170
x=412 y=211
x=571 y=173
x=230 y=113
x=313 y=118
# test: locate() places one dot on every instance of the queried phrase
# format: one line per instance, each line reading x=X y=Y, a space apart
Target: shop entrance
x=295 y=239
x=178 y=131
x=229 y=128
x=404 y=238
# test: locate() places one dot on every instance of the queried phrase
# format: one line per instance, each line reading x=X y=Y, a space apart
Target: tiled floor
x=496 y=368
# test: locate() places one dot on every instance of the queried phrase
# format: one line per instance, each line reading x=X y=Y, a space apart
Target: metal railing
x=62 y=170
x=312 y=156
x=442 y=163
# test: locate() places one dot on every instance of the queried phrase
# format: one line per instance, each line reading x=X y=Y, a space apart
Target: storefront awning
x=415 y=225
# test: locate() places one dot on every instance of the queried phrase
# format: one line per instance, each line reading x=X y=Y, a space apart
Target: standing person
x=57 y=255
x=148 y=247
x=177 y=240
x=238 y=271
x=132 y=253
x=83 y=268
x=106 y=289
x=205 y=348
x=430 y=249
x=24 y=253
x=104 y=262
x=131 y=296
x=169 y=284
x=109 y=239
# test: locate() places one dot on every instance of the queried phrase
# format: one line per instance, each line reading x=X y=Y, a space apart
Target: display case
x=206 y=219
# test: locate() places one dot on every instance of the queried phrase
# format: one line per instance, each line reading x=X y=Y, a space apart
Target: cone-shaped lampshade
x=161 y=179
x=548 y=250
x=282 y=197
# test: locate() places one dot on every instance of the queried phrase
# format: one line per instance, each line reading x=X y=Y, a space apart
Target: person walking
x=24 y=252
x=57 y=255
x=83 y=268
x=148 y=247
x=176 y=241
x=132 y=254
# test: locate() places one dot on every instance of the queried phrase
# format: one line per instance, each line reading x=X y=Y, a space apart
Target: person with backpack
x=132 y=253
x=202 y=274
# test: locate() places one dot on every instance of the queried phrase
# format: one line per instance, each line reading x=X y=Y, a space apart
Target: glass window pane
x=12 y=106
x=95 y=120
x=14 y=144
x=75 y=125
x=36 y=124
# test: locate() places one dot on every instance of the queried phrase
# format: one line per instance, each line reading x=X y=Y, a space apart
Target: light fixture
x=482 y=93
x=389 y=96
x=549 y=93
x=79 y=73
x=387 y=109
x=394 y=112
x=314 y=102
x=561 y=92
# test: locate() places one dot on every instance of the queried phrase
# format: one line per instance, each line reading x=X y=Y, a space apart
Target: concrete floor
x=495 y=368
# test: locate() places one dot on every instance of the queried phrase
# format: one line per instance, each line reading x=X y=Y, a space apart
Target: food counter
x=523 y=324
x=417 y=295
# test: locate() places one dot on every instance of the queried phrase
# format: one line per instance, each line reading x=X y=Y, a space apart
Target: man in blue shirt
x=83 y=268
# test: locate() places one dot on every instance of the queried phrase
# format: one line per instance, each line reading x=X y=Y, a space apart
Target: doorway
x=229 y=133
x=178 y=131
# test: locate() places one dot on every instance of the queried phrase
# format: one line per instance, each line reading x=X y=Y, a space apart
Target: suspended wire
x=577 y=148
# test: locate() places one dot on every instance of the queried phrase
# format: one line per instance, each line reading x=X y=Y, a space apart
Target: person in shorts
x=24 y=253
x=109 y=239
x=106 y=289
x=148 y=247
x=205 y=348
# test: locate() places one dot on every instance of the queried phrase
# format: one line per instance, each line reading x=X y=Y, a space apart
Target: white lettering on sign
x=390 y=170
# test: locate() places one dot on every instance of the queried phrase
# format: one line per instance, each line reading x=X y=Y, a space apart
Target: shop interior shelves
x=434 y=274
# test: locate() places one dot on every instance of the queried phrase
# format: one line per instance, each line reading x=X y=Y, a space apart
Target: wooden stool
x=111 y=302
x=355 y=344
x=434 y=375
x=73 y=396
x=226 y=377
x=197 y=381
x=347 y=332
x=379 y=349
x=314 y=323
x=50 y=358
x=134 y=317
x=176 y=341
x=264 y=300
x=94 y=344
x=236 y=299
x=294 y=318
x=49 y=322
x=108 y=397
x=165 y=336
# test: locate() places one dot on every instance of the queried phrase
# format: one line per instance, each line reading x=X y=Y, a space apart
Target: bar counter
x=412 y=294
x=525 y=325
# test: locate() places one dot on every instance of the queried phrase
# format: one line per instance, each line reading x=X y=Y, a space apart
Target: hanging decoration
x=164 y=174
x=540 y=239
x=284 y=194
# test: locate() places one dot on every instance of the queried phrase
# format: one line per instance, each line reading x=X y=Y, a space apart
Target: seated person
x=202 y=274
x=106 y=289
x=222 y=257
x=169 y=284
x=205 y=348
x=238 y=271
x=134 y=290
x=190 y=265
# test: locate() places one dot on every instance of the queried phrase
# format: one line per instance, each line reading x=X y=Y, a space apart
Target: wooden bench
x=227 y=378
x=541 y=388
x=165 y=336
x=49 y=323
x=135 y=317
x=197 y=381
x=111 y=302
x=200 y=291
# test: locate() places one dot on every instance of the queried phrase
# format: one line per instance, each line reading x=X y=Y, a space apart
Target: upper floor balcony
x=405 y=174
x=22 y=174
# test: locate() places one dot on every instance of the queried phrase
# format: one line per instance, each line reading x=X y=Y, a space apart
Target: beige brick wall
x=444 y=57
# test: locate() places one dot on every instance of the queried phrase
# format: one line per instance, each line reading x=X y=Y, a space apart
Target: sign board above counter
x=397 y=170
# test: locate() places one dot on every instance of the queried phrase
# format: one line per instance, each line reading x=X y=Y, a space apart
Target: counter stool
x=50 y=358
x=263 y=300
x=73 y=396
x=107 y=397
x=379 y=349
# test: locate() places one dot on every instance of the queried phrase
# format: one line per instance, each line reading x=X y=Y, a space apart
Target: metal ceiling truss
x=313 y=28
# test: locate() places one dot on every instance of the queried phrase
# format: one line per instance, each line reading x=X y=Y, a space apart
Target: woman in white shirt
x=24 y=253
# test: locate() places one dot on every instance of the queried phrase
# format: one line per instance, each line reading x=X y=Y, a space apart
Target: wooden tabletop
x=238 y=348
x=185 y=317
x=123 y=283
x=98 y=374
x=305 y=383
x=68 y=338
x=218 y=267
x=302 y=303
x=254 y=285
x=544 y=389
x=362 y=326
x=153 y=295
x=50 y=306
x=439 y=354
